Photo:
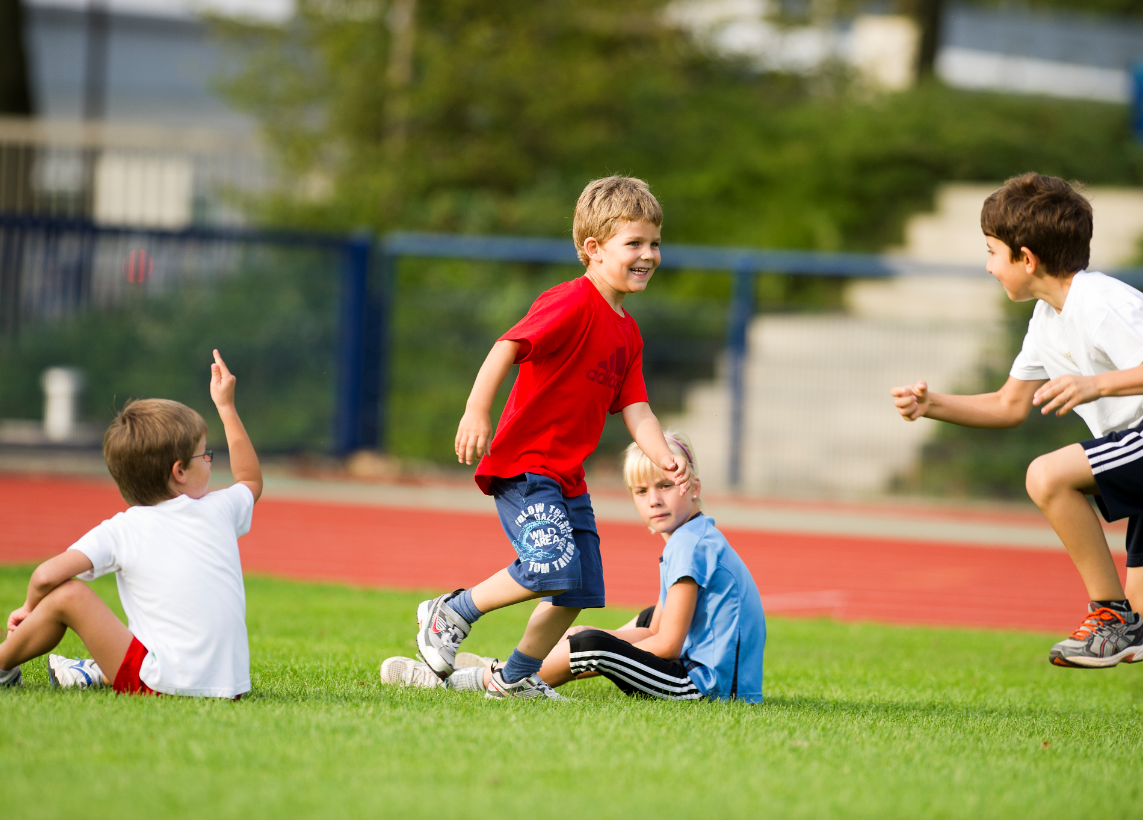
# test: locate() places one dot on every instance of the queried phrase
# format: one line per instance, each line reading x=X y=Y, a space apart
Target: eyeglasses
x=207 y=456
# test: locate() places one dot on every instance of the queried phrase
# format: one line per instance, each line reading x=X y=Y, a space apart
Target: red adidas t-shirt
x=579 y=360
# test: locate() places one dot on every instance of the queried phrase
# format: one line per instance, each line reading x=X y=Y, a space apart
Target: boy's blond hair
x=607 y=204
x=637 y=467
x=145 y=441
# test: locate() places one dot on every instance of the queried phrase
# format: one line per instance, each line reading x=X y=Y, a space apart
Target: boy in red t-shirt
x=580 y=357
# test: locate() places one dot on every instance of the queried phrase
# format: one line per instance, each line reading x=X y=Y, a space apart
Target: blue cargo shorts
x=556 y=543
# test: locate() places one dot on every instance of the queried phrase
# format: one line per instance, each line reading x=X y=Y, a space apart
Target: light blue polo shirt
x=728 y=631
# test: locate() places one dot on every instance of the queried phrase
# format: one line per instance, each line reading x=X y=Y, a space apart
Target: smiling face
x=660 y=506
x=624 y=263
x=1013 y=275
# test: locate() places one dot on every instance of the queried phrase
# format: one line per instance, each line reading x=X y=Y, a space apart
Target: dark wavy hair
x=1045 y=215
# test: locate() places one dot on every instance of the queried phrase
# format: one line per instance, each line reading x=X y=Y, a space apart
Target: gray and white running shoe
x=74 y=673
x=439 y=633
x=12 y=677
x=1104 y=639
x=467 y=660
x=409 y=672
x=467 y=679
x=532 y=686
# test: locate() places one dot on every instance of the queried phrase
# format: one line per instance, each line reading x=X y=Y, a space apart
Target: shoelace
x=1100 y=617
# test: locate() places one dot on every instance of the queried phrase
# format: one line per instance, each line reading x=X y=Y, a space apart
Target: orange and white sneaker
x=1104 y=639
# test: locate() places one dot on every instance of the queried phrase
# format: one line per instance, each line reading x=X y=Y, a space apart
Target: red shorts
x=127 y=681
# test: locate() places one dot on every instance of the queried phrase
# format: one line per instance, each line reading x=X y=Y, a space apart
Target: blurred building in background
x=128 y=128
x=1020 y=50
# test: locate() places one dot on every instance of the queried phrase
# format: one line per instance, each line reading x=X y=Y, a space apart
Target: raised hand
x=913 y=401
x=221 y=383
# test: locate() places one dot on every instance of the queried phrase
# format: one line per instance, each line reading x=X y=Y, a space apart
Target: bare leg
x=1058 y=482
x=71 y=604
x=545 y=628
x=556 y=670
x=1135 y=587
x=501 y=590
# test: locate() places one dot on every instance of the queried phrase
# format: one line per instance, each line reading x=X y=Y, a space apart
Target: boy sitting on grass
x=580 y=357
x=707 y=634
x=1083 y=352
x=175 y=555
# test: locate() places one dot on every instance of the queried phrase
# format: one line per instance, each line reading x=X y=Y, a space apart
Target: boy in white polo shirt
x=1083 y=352
x=175 y=555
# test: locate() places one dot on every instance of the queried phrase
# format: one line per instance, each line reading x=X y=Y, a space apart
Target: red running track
x=893 y=581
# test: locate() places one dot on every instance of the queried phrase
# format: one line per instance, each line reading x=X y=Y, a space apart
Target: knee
x=66 y=596
x=1042 y=481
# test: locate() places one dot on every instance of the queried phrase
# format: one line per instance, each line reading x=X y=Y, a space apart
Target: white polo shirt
x=180 y=583
x=1099 y=329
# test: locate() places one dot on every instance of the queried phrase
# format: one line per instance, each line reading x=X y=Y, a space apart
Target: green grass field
x=860 y=721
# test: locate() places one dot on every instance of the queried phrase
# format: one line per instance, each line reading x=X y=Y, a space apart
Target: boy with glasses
x=175 y=555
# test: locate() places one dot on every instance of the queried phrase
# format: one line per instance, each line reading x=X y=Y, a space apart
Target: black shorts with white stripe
x=1117 y=462
x=634 y=671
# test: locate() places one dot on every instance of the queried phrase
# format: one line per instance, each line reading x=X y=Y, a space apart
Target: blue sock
x=519 y=666
x=463 y=606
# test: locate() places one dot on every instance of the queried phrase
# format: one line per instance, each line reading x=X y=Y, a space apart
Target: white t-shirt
x=180 y=583
x=1099 y=329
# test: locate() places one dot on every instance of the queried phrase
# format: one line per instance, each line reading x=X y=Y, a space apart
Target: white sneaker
x=470 y=660
x=439 y=633
x=74 y=673
x=467 y=679
x=11 y=678
x=532 y=686
x=409 y=672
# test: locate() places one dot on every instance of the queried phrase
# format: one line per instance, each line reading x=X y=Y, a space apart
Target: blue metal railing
x=366 y=283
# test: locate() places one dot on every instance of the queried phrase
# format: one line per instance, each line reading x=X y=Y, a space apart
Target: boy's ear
x=179 y=473
x=592 y=249
x=1031 y=261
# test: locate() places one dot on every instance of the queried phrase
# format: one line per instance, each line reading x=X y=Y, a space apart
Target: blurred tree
x=508 y=109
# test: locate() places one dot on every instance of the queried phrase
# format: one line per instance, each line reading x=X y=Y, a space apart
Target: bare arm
x=648 y=434
x=674 y=620
x=1007 y=407
x=243 y=460
x=1066 y=392
x=46 y=577
x=475 y=430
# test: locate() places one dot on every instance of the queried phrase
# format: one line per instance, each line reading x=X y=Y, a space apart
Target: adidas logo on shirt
x=610 y=373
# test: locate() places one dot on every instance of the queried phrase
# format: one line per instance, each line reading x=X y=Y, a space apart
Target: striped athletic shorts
x=1117 y=462
x=634 y=671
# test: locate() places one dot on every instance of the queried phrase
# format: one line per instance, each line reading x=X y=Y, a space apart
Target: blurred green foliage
x=272 y=319
x=513 y=107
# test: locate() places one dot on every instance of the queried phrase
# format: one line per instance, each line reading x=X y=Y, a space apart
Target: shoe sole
x=470 y=660
x=1132 y=654
x=428 y=654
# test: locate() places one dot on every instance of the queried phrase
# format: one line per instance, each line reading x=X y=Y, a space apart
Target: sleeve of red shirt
x=634 y=389
x=550 y=322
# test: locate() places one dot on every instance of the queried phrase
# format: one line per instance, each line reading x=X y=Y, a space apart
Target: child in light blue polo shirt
x=706 y=635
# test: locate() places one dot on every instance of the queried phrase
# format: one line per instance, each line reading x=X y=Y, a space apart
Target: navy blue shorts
x=557 y=546
x=1117 y=462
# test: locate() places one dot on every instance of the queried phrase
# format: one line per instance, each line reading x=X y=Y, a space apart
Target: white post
x=62 y=386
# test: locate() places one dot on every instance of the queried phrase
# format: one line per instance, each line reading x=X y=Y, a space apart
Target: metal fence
x=777 y=363
x=138 y=311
